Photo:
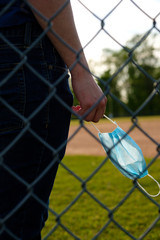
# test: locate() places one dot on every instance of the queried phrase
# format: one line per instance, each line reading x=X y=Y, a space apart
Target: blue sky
x=124 y=22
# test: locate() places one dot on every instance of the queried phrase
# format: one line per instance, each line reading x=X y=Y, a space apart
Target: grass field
x=85 y=218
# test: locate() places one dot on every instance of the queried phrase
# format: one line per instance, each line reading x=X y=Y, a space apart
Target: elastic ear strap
x=95 y=127
x=106 y=118
x=110 y=120
x=156 y=195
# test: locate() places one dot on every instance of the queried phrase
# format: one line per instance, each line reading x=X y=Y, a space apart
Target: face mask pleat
x=124 y=151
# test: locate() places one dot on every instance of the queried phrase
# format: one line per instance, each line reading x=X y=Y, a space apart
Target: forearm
x=64 y=27
x=85 y=88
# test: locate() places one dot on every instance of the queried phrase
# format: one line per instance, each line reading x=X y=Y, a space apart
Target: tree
x=138 y=72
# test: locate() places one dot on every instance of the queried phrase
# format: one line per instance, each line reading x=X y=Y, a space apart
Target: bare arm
x=84 y=86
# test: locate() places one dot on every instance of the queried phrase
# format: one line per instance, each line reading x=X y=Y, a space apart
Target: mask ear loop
x=156 y=195
x=106 y=118
x=110 y=120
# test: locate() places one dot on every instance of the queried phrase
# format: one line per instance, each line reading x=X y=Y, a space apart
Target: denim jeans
x=29 y=143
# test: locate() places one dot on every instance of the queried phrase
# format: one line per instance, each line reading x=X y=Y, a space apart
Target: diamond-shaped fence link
x=25 y=127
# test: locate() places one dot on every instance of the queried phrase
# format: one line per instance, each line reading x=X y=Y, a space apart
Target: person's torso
x=13 y=13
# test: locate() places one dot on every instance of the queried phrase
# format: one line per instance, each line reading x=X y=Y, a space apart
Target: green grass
x=86 y=217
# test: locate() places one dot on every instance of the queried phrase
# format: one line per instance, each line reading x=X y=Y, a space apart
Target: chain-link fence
x=56 y=222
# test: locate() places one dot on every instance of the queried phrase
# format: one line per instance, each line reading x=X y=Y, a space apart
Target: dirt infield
x=85 y=144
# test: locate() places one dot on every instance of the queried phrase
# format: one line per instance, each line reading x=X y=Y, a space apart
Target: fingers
x=99 y=111
x=96 y=114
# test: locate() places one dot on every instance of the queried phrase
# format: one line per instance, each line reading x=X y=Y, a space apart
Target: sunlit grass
x=85 y=218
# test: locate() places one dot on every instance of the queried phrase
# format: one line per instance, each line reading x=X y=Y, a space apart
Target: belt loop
x=27 y=34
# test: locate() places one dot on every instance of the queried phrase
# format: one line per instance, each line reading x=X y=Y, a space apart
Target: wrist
x=80 y=70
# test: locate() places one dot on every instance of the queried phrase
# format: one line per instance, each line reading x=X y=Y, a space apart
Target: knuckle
x=105 y=99
x=89 y=105
x=103 y=103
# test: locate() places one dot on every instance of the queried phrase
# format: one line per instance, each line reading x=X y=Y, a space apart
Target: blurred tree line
x=136 y=82
x=130 y=77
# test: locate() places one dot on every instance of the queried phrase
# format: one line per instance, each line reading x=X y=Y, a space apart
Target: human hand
x=88 y=94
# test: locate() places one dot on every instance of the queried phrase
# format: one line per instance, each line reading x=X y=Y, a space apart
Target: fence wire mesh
x=83 y=183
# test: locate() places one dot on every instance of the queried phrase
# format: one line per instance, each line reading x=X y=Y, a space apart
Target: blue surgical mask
x=125 y=154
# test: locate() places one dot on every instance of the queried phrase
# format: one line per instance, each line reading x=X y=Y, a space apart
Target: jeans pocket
x=12 y=97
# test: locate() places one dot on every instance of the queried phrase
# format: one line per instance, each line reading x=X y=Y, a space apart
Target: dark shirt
x=15 y=14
